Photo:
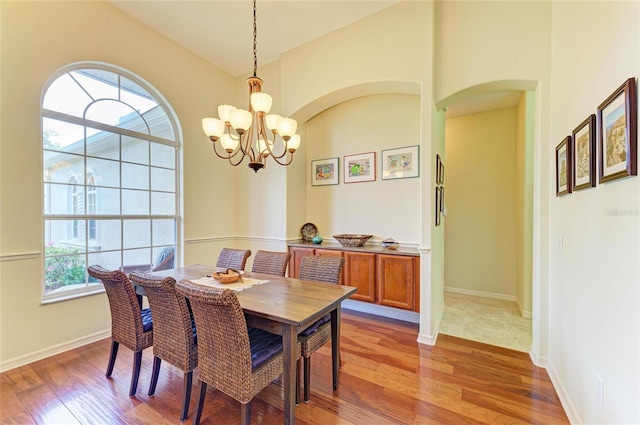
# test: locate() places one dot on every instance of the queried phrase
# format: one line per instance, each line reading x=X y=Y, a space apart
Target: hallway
x=487 y=320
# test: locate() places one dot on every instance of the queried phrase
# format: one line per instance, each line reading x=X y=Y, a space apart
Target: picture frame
x=325 y=172
x=438 y=168
x=400 y=163
x=583 y=169
x=617 y=133
x=563 y=167
x=360 y=167
x=437 y=204
x=441 y=171
x=442 y=205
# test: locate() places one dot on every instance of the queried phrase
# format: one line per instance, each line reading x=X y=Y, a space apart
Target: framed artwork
x=324 y=172
x=563 y=167
x=442 y=199
x=441 y=172
x=400 y=163
x=583 y=173
x=360 y=167
x=438 y=205
x=438 y=164
x=617 y=133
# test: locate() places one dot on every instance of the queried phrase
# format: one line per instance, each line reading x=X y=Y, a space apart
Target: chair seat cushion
x=147 y=322
x=311 y=329
x=263 y=345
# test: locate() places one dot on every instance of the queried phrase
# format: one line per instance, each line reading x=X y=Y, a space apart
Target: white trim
x=382 y=310
x=22 y=256
x=563 y=395
x=523 y=312
x=53 y=350
x=261 y=239
x=209 y=240
x=480 y=293
x=427 y=339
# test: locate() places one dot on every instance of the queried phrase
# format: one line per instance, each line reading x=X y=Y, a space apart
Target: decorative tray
x=308 y=230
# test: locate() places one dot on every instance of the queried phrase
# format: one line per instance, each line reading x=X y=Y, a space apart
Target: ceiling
x=221 y=32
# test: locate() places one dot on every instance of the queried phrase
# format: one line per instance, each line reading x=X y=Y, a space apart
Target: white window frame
x=88 y=218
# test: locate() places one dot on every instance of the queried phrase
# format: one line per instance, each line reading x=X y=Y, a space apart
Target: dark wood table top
x=292 y=301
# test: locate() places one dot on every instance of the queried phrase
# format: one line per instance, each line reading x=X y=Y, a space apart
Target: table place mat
x=246 y=282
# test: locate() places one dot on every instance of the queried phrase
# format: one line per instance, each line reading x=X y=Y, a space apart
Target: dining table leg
x=335 y=344
x=289 y=343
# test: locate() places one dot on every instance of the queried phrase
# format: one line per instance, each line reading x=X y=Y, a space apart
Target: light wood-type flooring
x=386 y=378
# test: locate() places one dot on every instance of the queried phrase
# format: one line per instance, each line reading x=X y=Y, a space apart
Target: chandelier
x=244 y=133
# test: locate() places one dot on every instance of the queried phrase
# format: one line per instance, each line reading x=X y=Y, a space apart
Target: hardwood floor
x=386 y=378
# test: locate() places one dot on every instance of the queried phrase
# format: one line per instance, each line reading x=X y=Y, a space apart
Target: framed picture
x=563 y=167
x=617 y=133
x=360 y=167
x=583 y=174
x=437 y=204
x=438 y=164
x=442 y=199
x=324 y=172
x=441 y=172
x=400 y=163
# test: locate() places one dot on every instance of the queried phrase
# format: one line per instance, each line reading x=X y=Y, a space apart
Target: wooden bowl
x=228 y=276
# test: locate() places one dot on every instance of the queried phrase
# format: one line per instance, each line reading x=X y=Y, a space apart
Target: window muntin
x=109 y=176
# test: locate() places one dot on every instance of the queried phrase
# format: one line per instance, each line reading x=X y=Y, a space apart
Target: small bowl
x=348 y=239
x=228 y=276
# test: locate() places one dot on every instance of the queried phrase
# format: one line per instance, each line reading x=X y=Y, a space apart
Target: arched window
x=110 y=148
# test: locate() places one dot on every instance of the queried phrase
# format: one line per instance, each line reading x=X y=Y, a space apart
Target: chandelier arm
x=262 y=132
x=277 y=160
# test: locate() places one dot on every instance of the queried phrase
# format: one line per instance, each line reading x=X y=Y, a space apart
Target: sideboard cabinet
x=382 y=277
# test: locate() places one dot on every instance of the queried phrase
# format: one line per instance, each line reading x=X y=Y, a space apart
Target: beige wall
x=383 y=208
x=480 y=195
x=36 y=40
x=594 y=278
x=524 y=202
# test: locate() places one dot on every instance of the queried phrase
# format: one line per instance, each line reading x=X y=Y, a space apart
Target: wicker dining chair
x=130 y=325
x=234 y=359
x=320 y=269
x=270 y=262
x=174 y=331
x=233 y=258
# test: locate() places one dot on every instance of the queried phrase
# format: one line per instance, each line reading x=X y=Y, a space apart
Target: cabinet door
x=396 y=283
x=360 y=272
x=332 y=253
x=296 y=258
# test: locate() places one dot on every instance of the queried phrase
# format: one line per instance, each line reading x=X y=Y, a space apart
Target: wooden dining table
x=284 y=306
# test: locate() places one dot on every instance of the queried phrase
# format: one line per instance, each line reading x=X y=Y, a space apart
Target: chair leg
x=245 y=414
x=137 y=361
x=298 y=376
x=307 y=378
x=112 y=358
x=186 y=395
x=198 y=413
x=154 y=374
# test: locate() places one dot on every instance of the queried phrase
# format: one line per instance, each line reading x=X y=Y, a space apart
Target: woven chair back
x=126 y=320
x=270 y=262
x=321 y=269
x=224 y=355
x=233 y=258
x=172 y=327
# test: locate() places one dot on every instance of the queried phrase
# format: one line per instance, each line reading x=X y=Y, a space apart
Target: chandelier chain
x=255 y=42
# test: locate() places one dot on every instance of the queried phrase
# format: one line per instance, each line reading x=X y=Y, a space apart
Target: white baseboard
x=381 y=310
x=6 y=365
x=427 y=339
x=569 y=408
x=480 y=293
x=523 y=312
